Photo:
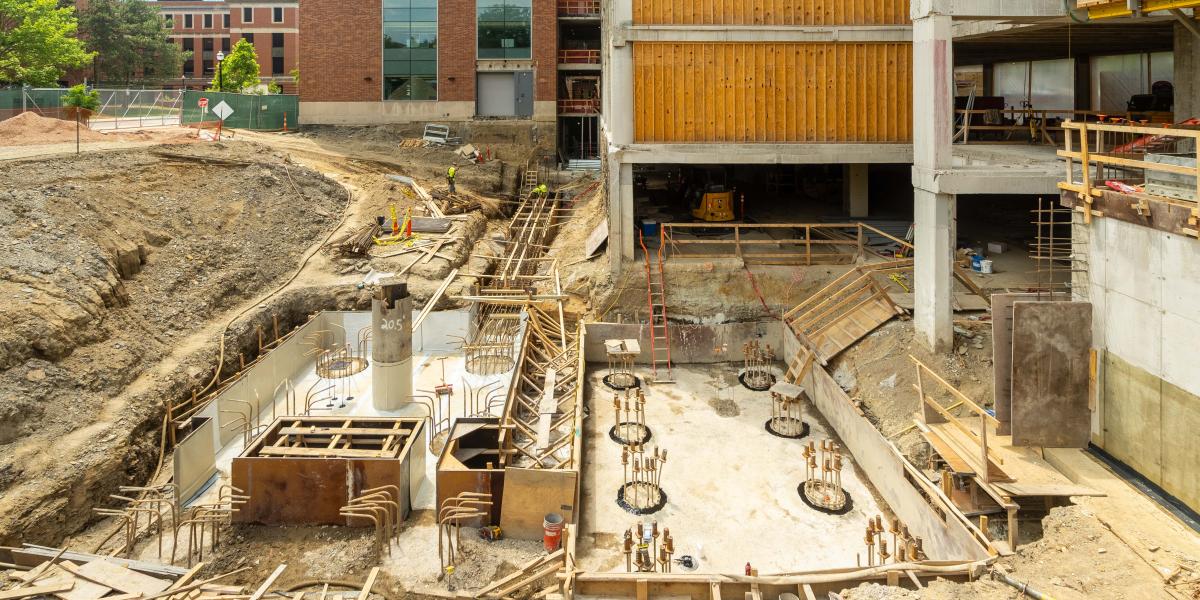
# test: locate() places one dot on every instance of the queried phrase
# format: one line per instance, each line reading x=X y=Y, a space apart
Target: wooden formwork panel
x=770 y=12
x=772 y=92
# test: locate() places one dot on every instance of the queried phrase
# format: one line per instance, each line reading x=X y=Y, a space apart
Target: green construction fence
x=250 y=111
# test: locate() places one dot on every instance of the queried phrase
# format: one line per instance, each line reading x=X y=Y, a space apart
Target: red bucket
x=552 y=532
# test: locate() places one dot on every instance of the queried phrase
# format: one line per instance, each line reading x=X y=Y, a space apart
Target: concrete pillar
x=617 y=120
x=391 y=346
x=1187 y=76
x=855 y=190
x=933 y=123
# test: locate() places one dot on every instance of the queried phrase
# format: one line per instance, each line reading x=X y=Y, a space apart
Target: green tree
x=238 y=71
x=38 y=42
x=130 y=41
x=80 y=96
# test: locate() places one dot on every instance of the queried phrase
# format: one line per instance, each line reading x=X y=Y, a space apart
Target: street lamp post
x=220 y=75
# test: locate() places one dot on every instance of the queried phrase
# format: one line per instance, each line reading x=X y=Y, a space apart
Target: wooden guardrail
x=1109 y=152
x=579 y=56
x=833 y=244
x=1036 y=126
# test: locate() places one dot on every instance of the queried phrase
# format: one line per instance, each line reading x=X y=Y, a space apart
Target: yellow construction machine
x=709 y=196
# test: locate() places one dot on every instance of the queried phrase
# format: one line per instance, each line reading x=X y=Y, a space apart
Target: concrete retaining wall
x=689 y=343
x=1143 y=284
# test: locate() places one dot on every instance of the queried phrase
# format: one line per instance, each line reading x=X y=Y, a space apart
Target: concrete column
x=391 y=347
x=855 y=190
x=1187 y=79
x=617 y=119
x=933 y=123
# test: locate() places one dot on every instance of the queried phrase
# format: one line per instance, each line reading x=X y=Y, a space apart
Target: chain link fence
x=119 y=108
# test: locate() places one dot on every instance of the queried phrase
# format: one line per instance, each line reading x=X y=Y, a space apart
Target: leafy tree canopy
x=238 y=71
x=130 y=41
x=38 y=42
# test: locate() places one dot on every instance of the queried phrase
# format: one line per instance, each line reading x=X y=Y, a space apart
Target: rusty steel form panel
x=770 y=12
x=772 y=92
x=304 y=470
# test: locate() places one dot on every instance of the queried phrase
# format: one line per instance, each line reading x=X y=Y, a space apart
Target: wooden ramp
x=844 y=311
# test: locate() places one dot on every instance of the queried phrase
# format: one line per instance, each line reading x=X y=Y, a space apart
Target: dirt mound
x=108 y=263
x=878 y=372
x=30 y=128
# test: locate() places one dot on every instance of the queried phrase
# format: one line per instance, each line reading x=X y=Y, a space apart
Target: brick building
x=208 y=27
x=450 y=60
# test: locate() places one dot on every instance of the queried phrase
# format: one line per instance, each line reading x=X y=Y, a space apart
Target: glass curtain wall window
x=505 y=28
x=410 y=49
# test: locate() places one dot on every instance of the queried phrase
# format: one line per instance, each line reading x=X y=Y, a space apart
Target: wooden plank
x=1051 y=363
x=119 y=578
x=37 y=590
x=324 y=452
x=433 y=300
x=948 y=454
x=266 y=585
x=531 y=494
x=806 y=591
x=84 y=589
x=354 y=431
x=370 y=583
x=546 y=410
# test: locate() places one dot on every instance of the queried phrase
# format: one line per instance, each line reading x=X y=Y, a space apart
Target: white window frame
x=189 y=21
x=208 y=21
x=281 y=15
x=244 y=19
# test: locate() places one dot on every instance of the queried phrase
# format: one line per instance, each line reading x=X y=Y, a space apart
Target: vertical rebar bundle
x=466 y=506
x=904 y=547
x=629 y=418
x=822 y=487
x=787 y=417
x=620 y=365
x=756 y=371
x=642 y=491
x=643 y=553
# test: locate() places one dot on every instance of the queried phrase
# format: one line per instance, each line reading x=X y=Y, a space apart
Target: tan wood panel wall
x=770 y=12
x=772 y=92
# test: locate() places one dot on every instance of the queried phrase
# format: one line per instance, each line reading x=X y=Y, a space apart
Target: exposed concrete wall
x=689 y=343
x=1143 y=284
x=1187 y=74
x=855 y=190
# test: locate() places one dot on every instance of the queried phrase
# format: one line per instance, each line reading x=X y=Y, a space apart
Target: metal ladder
x=529 y=182
x=660 y=334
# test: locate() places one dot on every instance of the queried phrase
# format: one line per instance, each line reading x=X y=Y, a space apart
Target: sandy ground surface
x=731 y=485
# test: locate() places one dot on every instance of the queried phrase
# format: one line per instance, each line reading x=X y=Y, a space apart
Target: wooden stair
x=844 y=311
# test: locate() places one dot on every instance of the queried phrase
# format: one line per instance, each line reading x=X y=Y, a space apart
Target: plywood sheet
x=1050 y=365
x=530 y=495
x=119 y=578
x=803 y=92
x=1002 y=356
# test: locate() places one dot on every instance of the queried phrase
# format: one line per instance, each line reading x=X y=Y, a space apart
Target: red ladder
x=660 y=334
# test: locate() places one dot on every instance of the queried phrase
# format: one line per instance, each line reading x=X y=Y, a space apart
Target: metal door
x=524 y=94
x=496 y=95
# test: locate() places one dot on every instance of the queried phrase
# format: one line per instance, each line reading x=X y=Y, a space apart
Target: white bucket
x=985 y=266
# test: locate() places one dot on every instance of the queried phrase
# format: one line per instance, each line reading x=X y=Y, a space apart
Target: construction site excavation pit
x=730 y=485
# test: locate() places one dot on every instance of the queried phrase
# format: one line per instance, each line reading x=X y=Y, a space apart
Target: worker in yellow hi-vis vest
x=450 y=177
x=541 y=191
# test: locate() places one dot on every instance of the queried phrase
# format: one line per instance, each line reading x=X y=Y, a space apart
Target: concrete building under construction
x=863 y=299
